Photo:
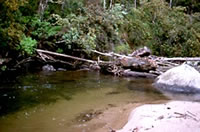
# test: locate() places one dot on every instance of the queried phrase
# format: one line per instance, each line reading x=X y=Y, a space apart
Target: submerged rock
x=183 y=78
x=176 y=116
x=88 y=115
x=48 y=68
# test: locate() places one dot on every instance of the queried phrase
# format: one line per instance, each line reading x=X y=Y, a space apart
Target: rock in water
x=48 y=68
x=183 y=78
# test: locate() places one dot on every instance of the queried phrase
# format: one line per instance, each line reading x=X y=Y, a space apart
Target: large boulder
x=183 y=78
x=176 y=116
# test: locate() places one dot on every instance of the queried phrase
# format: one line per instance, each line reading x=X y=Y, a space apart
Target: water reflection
x=59 y=97
x=48 y=87
x=180 y=95
x=33 y=89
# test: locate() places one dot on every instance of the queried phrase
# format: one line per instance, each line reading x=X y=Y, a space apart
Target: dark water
x=45 y=102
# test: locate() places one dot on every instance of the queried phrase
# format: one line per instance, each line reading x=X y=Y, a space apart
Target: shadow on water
x=144 y=86
x=48 y=87
x=39 y=88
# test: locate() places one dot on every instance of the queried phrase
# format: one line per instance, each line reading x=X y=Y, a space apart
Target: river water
x=54 y=101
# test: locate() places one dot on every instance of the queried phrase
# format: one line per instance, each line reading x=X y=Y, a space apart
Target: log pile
x=138 y=64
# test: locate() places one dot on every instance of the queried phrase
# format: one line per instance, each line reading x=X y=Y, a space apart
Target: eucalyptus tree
x=42 y=6
x=135 y=3
x=170 y=4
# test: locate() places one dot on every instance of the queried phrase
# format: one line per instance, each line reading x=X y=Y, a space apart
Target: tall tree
x=42 y=6
x=110 y=3
x=170 y=4
x=135 y=3
x=104 y=4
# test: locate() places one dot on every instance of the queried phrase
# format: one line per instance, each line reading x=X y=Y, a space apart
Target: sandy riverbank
x=112 y=118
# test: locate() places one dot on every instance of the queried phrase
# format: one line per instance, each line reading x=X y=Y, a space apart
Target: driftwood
x=141 y=52
x=63 y=55
x=138 y=64
x=129 y=73
x=182 y=59
x=111 y=54
x=147 y=67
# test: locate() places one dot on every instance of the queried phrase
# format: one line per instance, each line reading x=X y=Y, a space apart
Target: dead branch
x=101 y=53
x=64 y=55
x=182 y=59
x=23 y=61
x=149 y=66
x=129 y=73
x=111 y=54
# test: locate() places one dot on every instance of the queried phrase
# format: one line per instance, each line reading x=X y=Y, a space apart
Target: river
x=61 y=101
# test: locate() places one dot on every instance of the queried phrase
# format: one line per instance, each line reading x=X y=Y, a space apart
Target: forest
x=76 y=27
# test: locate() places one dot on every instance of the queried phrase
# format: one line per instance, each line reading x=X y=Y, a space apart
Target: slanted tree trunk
x=110 y=4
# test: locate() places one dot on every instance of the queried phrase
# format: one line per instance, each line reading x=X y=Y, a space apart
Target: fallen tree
x=136 y=65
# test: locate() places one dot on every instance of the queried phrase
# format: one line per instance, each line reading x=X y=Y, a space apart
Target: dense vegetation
x=65 y=26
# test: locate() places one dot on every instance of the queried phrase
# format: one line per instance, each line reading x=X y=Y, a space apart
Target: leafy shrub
x=123 y=49
x=96 y=29
x=43 y=29
x=73 y=7
x=27 y=45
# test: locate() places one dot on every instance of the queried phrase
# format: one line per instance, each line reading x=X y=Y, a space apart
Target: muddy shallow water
x=65 y=101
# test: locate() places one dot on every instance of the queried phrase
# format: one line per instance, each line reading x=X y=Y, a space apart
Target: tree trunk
x=128 y=73
x=135 y=4
x=42 y=6
x=104 y=4
x=170 y=4
x=110 y=4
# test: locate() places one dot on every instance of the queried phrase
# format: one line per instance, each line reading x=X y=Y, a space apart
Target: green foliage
x=96 y=29
x=75 y=24
x=138 y=29
x=3 y=68
x=43 y=29
x=59 y=50
x=73 y=7
x=168 y=32
x=27 y=45
x=191 y=5
x=123 y=49
x=75 y=37
x=11 y=30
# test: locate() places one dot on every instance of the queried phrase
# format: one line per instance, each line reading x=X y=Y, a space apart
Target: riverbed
x=66 y=101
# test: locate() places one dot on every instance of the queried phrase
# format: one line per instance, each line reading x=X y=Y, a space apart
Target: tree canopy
x=105 y=25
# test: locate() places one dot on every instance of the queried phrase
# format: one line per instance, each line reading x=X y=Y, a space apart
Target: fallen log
x=101 y=53
x=63 y=55
x=129 y=73
x=148 y=67
x=138 y=64
x=182 y=59
x=111 y=54
x=141 y=52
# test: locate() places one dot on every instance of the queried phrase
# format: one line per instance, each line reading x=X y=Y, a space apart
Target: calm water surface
x=51 y=102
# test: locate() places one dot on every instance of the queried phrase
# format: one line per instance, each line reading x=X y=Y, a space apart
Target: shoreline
x=112 y=118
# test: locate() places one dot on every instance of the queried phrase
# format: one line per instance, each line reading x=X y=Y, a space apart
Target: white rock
x=183 y=75
x=176 y=116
